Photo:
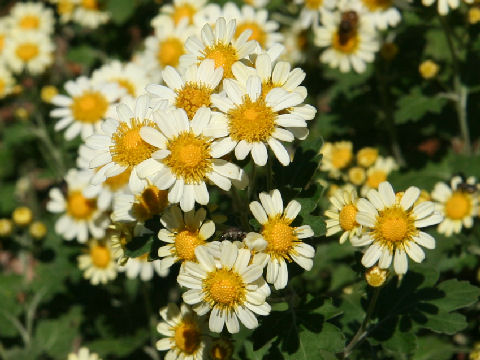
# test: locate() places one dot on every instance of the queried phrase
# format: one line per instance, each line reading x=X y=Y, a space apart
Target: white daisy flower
x=88 y=13
x=458 y=207
x=367 y=156
x=182 y=10
x=129 y=76
x=81 y=216
x=65 y=9
x=219 y=44
x=86 y=106
x=7 y=81
x=31 y=51
x=311 y=10
x=185 y=333
x=4 y=34
x=83 y=354
x=251 y=121
x=140 y=267
x=227 y=285
x=183 y=233
x=209 y=14
x=336 y=157
x=189 y=91
x=295 y=42
x=166 y=46
x=31 y=16
x=186 y=158
x=444 y=6
x=392 y=224
x=98 y=265
x=141 y=205
x=382 y=13
x=350 y=40
x=264 y=31
x=379 y=172
x=342 y=215
x=118 y=146
x=283 y=241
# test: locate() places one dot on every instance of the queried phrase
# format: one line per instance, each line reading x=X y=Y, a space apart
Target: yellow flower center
x=150 y=202
x=22 y=216
x=225 y=288
x=341 y=157
x=375 y=178
x=65 y=7
x=90 y=4
x=79 y=207
x=346 y=43
x=100 y=256
x=187 y=337
x=258 y=33
x=29 y=22
x=185 y=243
x=90 y=107
x=357 y=175
x=347 y=217
x=280 y=237
x=313 y=4
x=119 y=181
x=183 y=11
x=192 y=97
x=394 y=225
x=143 y=258
x=127 y=85
x=27 y=51
x=366 y=157
x=2 y=42
x=458 y=206
x=375 y=276
x=223 y=55
x=2 y=87
x=189 y=157
x=251 y=121
x=169 y=52
x=221 y=350
x=374 y=5
x=129 y=149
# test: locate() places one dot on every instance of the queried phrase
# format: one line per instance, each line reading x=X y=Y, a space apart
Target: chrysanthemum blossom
x=227 y=285
x=185 y=333
x=342 y=215
x=219 y=45
x=391 y=223
x=118 y=146
x=444 y=6
x=459 y=207
x=251 y=121
x=143 y=269
x=31 y=16
x=188 y=91
x=98 y=265
x=81 y=216
x=382 y=13
x=283 y=241
x=336 y=157
x=83 y=354
x=183 y=159
x=180 y=11
x=183 y=232
x=311 y=11
x=90 y=14
x=86 y=106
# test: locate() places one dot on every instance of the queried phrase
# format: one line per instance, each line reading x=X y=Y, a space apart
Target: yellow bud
x=221 y=349
x=48 y=93
x=22 y=216
x=357 y=175
x=38 y=230
x=428 y=69
x=6 y=227
x=375 y=276
x=367 y=156
x=474 y=355
x=389 y=51
x=21 y=113
x=474 y=15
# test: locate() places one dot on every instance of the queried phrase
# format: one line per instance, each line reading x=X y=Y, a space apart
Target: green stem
x=362 y=332
x=459 y=89
x=150 y=313
x=269 y=174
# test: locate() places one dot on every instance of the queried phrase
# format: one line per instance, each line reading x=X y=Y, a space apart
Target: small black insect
x=467 y=188
x=233 y=234
x=348 y=26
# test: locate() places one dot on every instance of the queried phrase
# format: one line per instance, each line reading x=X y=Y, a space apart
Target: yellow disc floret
x=225 y=288
x=89 y=107
x=119 y=181
x=258 y=33
x=189 y=157
x=100 y=255
x=27 y=51
x=183 y=11
x=22 y=216
x=127 y=85
x=347 y=217
x=79 y=207
x=129 y=149
x=347 y=44
x=223 y=55
x=252 y=121
x=187 y=337
x=29 y=22
x=192 y=97
x=313 y=4
x=341 y=156
x=280 y=237
x=367 y=156
x=185 y=243
x=458 y=206
x=375 y=178
x=150 y=202
x=375 y=276
x=169 y=52
x=394 y=226
x=375 y=5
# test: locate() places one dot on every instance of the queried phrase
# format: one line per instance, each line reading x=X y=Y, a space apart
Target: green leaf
x=82 y=54
x=415 y=105
x=120 y=346
x=433 y=348
x=446 y=323
x=459 y=294
x=120 y=10
x=401 y=342
x=139 y=246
